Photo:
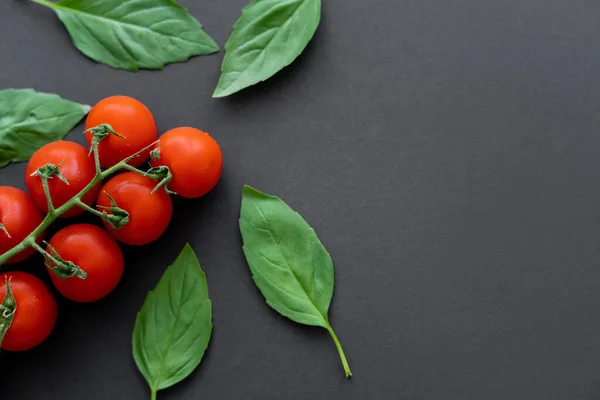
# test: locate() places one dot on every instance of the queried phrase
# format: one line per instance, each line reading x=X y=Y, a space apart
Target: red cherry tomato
x=93 y=250
x=35 y=316
x=129 y=118
x=149 y=213
x=20 y=217
x=194 y=159
x=78 y=168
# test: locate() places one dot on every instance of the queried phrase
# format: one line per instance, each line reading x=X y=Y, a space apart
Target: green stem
x=89 y=209
x=47 y=193
x=96 y=157
x=30 y=239
x=41 y=250
x=340 y=350
x=153 y=394
x=149 y=173
x=133 y=169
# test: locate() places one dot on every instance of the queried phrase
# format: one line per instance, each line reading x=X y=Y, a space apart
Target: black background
x=447 y=154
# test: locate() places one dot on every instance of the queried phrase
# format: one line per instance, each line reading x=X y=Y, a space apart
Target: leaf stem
x=340 y=350
x=153 y=394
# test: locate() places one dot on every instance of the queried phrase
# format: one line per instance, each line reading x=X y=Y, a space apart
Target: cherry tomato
x=149 y=213
x=93 y=250
x=35 y=316
x=194 y=158
x=19 y=216
x=77 y=167
x=129 y=118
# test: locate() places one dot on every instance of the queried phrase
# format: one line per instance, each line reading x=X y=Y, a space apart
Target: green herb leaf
x=173 y=328
x=133 y=34
x=289 y=264
x=269 y=35
x=30 y=119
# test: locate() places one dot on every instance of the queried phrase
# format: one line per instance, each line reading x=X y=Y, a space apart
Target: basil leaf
x=269 y=35
x=173 y=328
x=30 y=119
x=289 y=264
x=133 y=34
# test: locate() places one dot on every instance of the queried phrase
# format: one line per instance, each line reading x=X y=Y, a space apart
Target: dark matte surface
x=447 y=153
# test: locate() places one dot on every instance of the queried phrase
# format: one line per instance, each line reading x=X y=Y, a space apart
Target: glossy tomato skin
x=149 y=213
x=20 y=216
x=194 y=158
x=36 y=312
x=94 y=251
x=78 y=168
x=128 y=117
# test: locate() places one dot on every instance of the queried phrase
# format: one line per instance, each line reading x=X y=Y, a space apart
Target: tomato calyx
x=59 y=267
x=46 y=172
x=49 y=171
x=7 y=310
x=100 y=132
x=117 y=218
x=163 y=175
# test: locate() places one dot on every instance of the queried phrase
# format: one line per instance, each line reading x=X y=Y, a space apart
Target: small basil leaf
x=173 y=328
x=133 y=34
x=30 y=119
x=289 y=264
x=269 y=35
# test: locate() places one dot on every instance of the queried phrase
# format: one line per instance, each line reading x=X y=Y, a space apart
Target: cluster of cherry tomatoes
x=194 y=159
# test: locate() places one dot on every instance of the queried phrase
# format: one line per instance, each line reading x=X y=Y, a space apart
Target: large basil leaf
x=30 y=119
x=173 y=328
x=289 y=264
x=269 y=35
x=133 y=34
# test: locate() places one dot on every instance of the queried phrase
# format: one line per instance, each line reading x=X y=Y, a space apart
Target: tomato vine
x=113 y=215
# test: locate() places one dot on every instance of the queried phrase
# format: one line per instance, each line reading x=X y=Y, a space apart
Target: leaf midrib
x=286 y=261
x=117 y=22
x=169 y=344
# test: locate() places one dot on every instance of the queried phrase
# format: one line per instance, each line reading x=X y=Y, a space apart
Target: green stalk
x=340 y=350
x=47 y=193
x=89 y=209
